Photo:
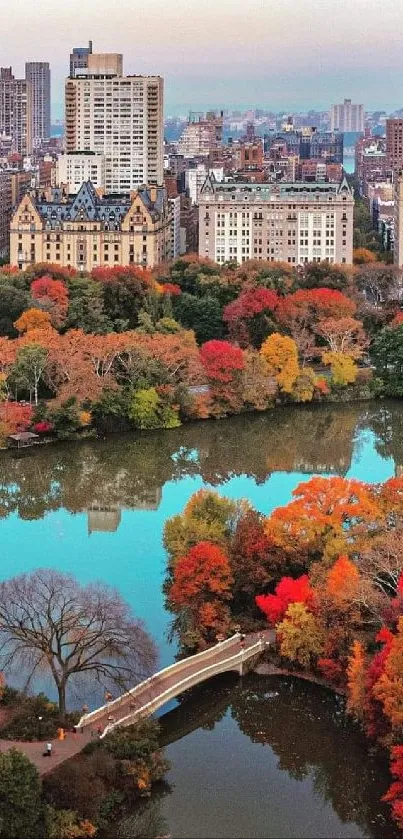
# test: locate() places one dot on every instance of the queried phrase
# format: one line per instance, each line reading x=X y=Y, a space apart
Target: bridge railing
x=177 y=667
x=190 y=681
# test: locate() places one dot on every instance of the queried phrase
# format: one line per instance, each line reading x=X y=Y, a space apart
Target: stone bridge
x=236 y=653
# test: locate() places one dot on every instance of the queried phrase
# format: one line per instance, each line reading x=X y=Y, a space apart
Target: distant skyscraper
x=347 y=117
x=120 y=117
x=37 y=74
x=15 y=106
x=79 y=57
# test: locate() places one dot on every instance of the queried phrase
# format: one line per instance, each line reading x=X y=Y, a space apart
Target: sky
x=275 y=54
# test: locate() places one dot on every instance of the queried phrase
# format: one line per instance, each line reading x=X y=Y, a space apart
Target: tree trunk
x=61 y=688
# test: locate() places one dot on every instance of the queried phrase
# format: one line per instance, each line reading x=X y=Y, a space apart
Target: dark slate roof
x=87 y=205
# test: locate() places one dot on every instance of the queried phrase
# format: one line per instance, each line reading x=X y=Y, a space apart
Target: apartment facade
x=347 y=117
x=120 y=117
x=90 y=230
x=394 y=143
x=74 y=168
x=294 y=222
x=13 y=185
x=201 y=135
x=15 y=111
x=37 y=74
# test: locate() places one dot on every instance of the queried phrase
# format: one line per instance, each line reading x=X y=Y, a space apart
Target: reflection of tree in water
x=129 y=471
x=308 y=731
x=386 y=421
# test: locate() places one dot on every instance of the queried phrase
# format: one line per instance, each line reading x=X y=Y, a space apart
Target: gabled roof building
x=89 y=230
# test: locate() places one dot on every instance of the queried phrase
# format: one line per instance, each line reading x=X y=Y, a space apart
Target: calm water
x=97 y=510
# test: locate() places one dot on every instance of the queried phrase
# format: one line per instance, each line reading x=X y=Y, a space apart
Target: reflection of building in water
x=105 y=518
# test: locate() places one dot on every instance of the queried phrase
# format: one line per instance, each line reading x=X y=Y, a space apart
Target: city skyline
x=247 y=61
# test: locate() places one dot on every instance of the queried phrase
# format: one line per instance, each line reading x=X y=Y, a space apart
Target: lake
x=97 y=509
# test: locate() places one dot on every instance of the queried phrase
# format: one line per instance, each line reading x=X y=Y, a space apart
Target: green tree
x=27 y=372
x=20 y=797
x=14 y=300
x=148 y=410
x=387 y=356
x=86 y=306
x=202 y=314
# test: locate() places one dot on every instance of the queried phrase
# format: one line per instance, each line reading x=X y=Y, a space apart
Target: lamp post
x=40 y=727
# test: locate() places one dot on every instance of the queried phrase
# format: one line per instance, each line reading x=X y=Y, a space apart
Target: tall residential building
x=15 y=111
x=347 y=117
x=285 y=222
x=37 y=74
x=120 y=117
x=90 y=230
x=79 y=58
x=394 y=143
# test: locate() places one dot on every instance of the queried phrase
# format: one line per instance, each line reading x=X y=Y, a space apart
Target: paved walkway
x=128 y=703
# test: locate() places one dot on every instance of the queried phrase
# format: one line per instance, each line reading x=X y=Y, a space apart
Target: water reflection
x=128 y=473
x=298 y=748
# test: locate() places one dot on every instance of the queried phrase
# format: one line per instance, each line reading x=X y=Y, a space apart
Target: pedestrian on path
x=48 y=750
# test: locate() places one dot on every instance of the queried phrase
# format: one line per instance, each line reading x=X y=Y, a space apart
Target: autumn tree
x=322 y=510
x=250 y=317
x=343 y=367
x=33 y=319
x=342 y=582
x=356 y=671
x=49 y=622
x=53 y=297
x=200 y=588
x=394 y=794
x=254 y=561
x=343 y=335
x=207 y=517
x=300 y=635
x=258 y=386
x=389 y=687
x=362 y=256
x=281 y=354
x=223 y=364
x=287 y=591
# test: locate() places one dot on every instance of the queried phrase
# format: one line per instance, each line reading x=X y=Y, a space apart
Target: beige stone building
x=89 y=230
x=285 y=222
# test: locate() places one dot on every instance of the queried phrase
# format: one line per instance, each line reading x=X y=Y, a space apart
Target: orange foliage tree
x=33 y=319
x=356 y=683
x=281 y=354
x=52 y=296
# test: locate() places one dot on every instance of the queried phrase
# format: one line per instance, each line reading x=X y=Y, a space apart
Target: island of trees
x=123 y=348
x=325 y=571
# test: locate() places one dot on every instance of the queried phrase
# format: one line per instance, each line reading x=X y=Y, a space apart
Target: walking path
x=147 y=697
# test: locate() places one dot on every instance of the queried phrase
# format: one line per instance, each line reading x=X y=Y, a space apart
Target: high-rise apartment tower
x=15 y=108
x=347 y=117
x=79 y=58
x=37 y=74
x=118 y=116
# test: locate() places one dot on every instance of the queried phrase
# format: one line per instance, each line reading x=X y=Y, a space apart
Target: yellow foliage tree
x=304 y=385
x=300 y=635
x=281 y=354
x=33 y=319
x=343 y=368
x=356 y=680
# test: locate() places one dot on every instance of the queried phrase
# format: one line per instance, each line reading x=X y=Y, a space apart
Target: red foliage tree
x=15 y=417
x=274 y=606
x=394 y=794
x=53 y=296
x=203 y=574
x=241 y=313
x=223 y=364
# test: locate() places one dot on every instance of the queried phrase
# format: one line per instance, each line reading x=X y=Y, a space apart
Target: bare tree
x=382 y=562
x=49 y=621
